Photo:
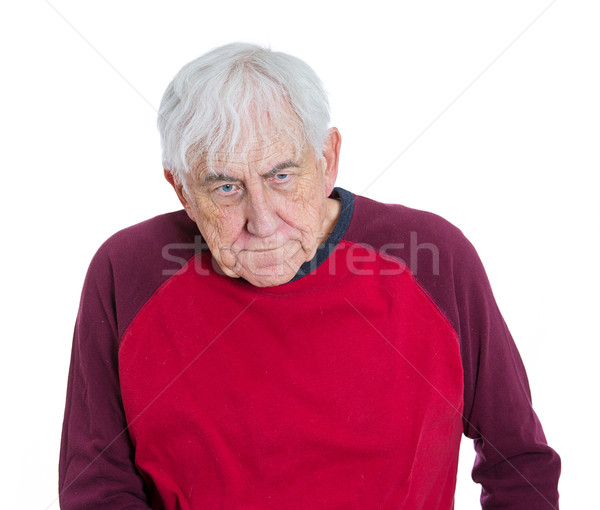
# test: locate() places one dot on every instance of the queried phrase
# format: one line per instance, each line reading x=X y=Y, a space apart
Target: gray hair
x=221 y=100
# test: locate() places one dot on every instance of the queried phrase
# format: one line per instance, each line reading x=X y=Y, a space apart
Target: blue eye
x=227 y=188
x=281 y=177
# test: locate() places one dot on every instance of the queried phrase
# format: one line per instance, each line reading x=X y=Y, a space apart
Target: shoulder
x=150 y=234
x=409 y=234
x=442 y=260
x=134 y=262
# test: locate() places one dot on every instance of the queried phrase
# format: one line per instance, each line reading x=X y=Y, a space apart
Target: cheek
x=307 y=210
x=219 y=226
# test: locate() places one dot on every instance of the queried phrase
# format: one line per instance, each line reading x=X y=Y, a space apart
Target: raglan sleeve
x=514 y=464
x=96 y=467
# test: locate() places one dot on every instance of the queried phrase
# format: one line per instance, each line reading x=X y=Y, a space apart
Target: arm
x=96 y=468
x=514 y=464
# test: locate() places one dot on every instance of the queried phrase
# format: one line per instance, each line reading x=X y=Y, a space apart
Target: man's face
x=266 y=211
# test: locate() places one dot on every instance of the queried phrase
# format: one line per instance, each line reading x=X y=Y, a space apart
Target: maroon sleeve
x=96 y=467
x=515 y=466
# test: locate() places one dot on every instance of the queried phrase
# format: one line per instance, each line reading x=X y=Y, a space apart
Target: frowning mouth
x=260 y=249
x=286 y=250
x=251 y=250
x=266 y=249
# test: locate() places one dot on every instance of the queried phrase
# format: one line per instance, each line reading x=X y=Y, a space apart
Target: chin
x=263 y=276
x=269 y=276
x=268 y=268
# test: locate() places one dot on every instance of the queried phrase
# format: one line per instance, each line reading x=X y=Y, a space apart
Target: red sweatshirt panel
x=515 y=466
x=342 y=389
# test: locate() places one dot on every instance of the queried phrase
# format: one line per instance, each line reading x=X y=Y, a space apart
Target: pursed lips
x=265 y=249
x=260 y=249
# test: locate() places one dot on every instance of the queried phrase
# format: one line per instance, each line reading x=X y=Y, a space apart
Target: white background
x=484 y=112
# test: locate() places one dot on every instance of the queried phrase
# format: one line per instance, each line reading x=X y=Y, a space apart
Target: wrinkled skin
x=268 y=211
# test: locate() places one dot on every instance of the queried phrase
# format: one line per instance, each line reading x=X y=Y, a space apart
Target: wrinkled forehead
x=253 y=131
x=254 y=148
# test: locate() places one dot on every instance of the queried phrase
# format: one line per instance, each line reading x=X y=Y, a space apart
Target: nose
x=261 y=215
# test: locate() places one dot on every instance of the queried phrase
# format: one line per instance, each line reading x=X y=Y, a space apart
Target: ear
x=181 y=193
x=331 y=153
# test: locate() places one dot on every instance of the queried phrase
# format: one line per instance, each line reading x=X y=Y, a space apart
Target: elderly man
x=284 y=343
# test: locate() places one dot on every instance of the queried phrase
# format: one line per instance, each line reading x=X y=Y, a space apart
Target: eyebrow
x=217 y=177
x=282 y=166
x=211 y=177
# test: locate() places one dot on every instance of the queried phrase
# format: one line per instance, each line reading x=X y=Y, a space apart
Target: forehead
x=255 y=153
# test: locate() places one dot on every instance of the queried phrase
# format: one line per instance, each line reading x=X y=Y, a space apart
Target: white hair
x=236 y=93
